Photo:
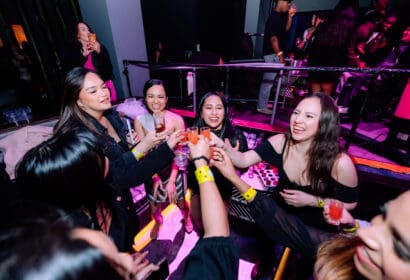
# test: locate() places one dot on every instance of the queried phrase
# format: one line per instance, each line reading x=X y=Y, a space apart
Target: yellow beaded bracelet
x=138 y=155
x=354 y=228
x=204 y=174
x=249 y=194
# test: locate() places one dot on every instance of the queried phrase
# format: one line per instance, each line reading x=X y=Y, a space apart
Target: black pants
x=285 y=228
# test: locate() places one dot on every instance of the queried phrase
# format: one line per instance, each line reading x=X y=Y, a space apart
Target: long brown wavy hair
x=325 y=147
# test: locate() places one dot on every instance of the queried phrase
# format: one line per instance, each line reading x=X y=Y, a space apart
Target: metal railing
x=260 y=67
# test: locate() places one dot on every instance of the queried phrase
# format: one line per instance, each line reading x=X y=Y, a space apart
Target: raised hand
x=223 y=162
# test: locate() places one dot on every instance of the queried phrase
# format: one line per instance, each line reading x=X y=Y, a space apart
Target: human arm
x=213 y=211
x=355 y=47
x=149 y=141
x=291 y=13
x=239 y=159
x=344 y=172
x=126 y=171
x=138 y=127
x=274 y=41
x=171 y=187
x=223 y=162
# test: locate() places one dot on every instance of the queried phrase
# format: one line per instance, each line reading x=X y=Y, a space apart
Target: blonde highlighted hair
x=334 y=259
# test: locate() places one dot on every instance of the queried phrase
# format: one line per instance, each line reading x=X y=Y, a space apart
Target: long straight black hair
x=66 y=171
x=225 y=130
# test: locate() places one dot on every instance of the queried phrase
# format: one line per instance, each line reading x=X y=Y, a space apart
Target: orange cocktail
x=193 y=134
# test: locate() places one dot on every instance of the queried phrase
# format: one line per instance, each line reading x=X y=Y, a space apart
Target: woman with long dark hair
x=68 y=171
x=86 y=103
x=212 y=112
x=86 y=51
x=167 y=184
x=312 y=170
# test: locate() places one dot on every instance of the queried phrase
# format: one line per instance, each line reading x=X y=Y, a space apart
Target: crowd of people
x=347 y=36
x=70 y=213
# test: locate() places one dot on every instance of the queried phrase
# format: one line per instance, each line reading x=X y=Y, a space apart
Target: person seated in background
x=378 y=251
x=312 y=170
x=38 y=241
x=155 y=99
x=215 y=255
x=86 y=104
x=212 y=112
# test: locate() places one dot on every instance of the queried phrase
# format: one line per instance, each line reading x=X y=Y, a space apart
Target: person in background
x=312 y=170
x=380 y=250
x=330 y=46
x=377 y=13
x=85 y=50
x=155 y=99
x=212 y=112
x=275 y=38
x=308 y=34
x=86 y=104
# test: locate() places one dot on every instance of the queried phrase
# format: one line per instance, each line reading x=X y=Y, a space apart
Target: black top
x=72 y=57
x=126 y=172
x=212 y=258
x=312 y=216
x=275 y=26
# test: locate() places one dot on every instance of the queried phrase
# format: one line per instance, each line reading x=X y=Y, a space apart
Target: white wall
x=119 y=26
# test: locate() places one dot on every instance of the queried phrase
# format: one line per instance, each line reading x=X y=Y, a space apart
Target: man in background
x=275 y=38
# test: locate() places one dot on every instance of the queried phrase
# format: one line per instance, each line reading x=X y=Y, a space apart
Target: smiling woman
x=212 y=112
x=167 y=184
x=312 y=170
x=86 y=103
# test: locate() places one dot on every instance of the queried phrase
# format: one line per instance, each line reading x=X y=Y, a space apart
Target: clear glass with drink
x=159 y=122
x=193 y=134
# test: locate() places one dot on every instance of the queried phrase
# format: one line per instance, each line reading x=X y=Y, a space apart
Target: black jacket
x=72 y=57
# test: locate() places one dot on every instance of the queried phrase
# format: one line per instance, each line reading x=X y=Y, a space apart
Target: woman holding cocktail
x=85 y=50
x=212 y=112
x=86 y=105
x=312 y=169
x=167 y=184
